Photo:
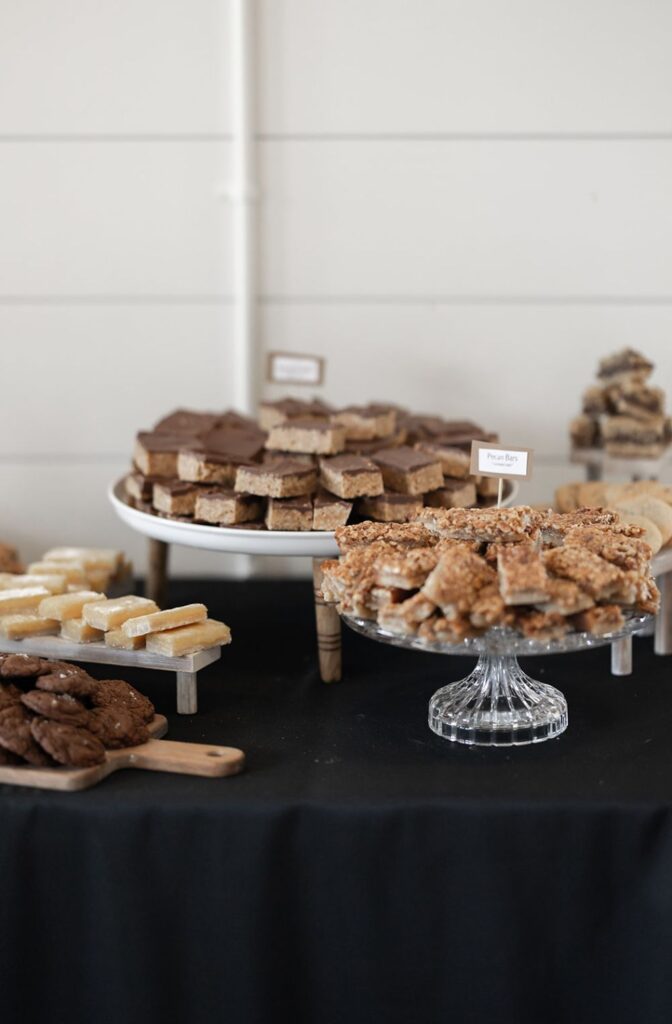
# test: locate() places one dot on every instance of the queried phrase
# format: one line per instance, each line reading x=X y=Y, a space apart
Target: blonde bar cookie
x=405 y=617
x=597 y=577
x=282 y=479
x=22 y=599
x=603 y=618
x=171 y=618
x=227 y=508
x=67 y=606
x=458 y=577
x=453 y=494
x=625 y=552
x=190 y=638
x=390 y=507
x=351 y=476
x=409 y=471
x=114 y=611
x=366 y=422
x=308 y=434
x=289 y=514
x=18 y=627
x=119 y=641
x=522 y=576
x=484 y=524
x=80 y=632
x=565 y=598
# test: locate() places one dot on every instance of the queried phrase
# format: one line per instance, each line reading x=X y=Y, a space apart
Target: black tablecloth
x=362 y=869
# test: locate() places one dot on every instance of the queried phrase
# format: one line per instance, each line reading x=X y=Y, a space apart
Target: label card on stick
x=500 y=461
x=292 y=368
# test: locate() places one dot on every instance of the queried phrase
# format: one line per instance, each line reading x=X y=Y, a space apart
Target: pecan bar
x=405 y=535
x=565 y=598
x=522 y=575
x=409 y=471
x=625 y=552
x=438 y=629
x=542 y=626
x=458 y=577
x=351 y=476
x=488 y=608
x=405 y=617
x=603 y=618
x=598 y=578
x=405 y=569
x=486 y=524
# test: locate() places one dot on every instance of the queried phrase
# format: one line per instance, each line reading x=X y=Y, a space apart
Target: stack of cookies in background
x=305 y=466
x=643 y=503
x=622 y=413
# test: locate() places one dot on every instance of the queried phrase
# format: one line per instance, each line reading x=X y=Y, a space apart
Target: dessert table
x=361 y=869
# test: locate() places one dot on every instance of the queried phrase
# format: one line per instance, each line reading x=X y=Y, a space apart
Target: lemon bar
x=112 y=613
x=67 y=606
x=189 y=639
x=89 y=558
x=80 y=632
x=73 y=571
x=171 y=618
x=54 y=584
x=17 y=627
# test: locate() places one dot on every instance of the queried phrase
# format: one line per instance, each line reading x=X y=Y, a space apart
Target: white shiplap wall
x=465 y=203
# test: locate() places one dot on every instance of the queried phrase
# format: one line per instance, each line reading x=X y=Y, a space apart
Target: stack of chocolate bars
x=455 y=573
x=622 y=414
x=305 y=466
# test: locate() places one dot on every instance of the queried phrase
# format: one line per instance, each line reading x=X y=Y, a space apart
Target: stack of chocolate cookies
x=54 y=713
x=623 y=414
x=305 y=466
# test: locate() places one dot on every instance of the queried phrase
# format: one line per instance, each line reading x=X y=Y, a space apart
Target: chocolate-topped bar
x=307 y=434
x=329 y=512
x=140 y=487
x=455 y=462
x=452 y=494
x=390 y=507
x=215 y=456
x=409 y=471
x=186 y=422
x=429 y=428
x=155 y=454
x=174 y=497
x=638 y=402
x=359 y=447
x=366 y=422
x=226 y=508
x=351 y=476
x=281 y=479
x=626 y=365
x=273 y=413
x=289 y=513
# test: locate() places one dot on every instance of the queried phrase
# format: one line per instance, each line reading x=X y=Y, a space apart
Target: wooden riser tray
x=186 y=667
x=156 y=755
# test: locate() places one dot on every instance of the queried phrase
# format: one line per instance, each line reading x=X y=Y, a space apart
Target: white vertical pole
x=244 y=196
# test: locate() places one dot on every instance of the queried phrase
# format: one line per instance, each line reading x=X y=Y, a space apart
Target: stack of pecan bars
x=305 y=466
x=455 y=573
x=622 y=413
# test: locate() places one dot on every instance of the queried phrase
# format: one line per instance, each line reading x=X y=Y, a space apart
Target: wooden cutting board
x=155 y=756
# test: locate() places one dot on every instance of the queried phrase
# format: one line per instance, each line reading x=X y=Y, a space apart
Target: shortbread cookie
x=650 y=532
x=170 y=618
x=189 y=639
x=659 y=512
x=409 y=471
x=282 y=479
x=67 y=606
x=351 y=476
x=78 y=631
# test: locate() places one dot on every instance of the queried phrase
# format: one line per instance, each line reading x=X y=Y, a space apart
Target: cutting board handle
x=182 y=758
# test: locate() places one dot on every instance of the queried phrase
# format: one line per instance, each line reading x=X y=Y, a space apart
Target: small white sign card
x=498 y=460
x=292 y=368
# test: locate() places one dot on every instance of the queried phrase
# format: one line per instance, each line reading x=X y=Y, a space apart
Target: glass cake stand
x=498 y=705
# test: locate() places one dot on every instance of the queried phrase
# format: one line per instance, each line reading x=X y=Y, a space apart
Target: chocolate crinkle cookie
x=111 y=692
x=117 y=726
x=68 y=679
x=16 y=737
x=60 y=707
x=9 y=694
x=20 y=666
x=68 y=744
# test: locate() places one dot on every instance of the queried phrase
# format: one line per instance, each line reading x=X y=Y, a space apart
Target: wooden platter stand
x=327 y=620
x=155 y=755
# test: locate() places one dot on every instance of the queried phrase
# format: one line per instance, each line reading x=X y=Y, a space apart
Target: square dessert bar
x=409 y=471
x=366 y=422
x=481 y=524
x=282 y=479
x=186 y=422
x=456 y=580
x=455 y=462
x=329 y=512
x=273 y=413
x=405 y=569
x=175 y=497
x=399 y=534
x=351 y=476
x=307 y=434
x=215 y=456
x=453 y=494
x=626 y=364
x=390 y=507
x=522 y=576
x=226 y=507
x=289 y=513
x=155 y=454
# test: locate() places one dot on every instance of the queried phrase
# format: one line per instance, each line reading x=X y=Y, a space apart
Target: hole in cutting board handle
x=214 y=753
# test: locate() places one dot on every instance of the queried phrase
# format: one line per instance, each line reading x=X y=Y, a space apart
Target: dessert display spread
x=646 y=504
x=453 y=574
x=623 y=414
x=54 y=713
x=304 y=466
